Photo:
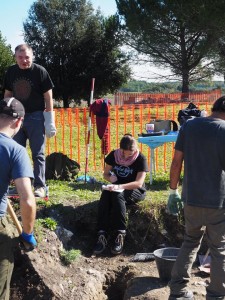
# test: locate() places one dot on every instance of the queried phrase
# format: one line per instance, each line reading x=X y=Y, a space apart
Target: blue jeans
x=198 y=221
x=33 y=130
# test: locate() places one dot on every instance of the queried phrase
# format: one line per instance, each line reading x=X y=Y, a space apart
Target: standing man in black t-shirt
x=31 y=84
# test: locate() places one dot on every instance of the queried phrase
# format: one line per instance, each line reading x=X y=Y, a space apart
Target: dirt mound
x=42 y=275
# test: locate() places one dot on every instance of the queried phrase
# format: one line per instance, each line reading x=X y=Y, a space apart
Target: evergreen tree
x=6 y=60
x=178 y=35
x=76 y=45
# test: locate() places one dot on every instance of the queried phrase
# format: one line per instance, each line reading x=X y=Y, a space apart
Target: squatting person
x=125 y=168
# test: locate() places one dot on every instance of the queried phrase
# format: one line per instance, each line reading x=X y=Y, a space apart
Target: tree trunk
x=65 y=102
x=185 y=85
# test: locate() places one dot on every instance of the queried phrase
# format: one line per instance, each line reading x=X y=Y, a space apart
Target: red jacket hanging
x=100 y=108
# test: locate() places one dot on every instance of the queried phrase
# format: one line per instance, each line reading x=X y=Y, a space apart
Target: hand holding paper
x=112 y=188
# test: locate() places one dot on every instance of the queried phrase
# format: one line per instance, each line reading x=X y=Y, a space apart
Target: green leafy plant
x=69 y=256
x=48 y=223
x=43 y=203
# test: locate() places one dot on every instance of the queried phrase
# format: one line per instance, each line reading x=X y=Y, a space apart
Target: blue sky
x=14 y=12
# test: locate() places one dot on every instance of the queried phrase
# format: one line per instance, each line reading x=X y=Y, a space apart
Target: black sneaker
x=117 y=248
x=101 y=243
x=188 y=295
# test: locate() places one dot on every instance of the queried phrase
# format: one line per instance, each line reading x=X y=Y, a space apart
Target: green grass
x=48 y=223
x=61 y=191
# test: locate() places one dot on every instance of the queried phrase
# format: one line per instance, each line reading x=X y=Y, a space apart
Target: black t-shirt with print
x=127 y=174
x=28 y=86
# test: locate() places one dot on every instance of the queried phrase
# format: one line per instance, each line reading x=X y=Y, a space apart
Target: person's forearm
x=175 y=171
x=106 y=176
x=176 y=168
x=28 y=214
x=48 y=101
x=136 y=184
x=130 y=185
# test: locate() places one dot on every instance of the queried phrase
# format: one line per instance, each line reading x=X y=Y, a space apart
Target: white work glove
x=50 y=129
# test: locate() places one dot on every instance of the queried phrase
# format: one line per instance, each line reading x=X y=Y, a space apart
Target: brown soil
x=40 y=274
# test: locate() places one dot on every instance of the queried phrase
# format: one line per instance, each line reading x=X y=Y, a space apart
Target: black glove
x=28 y=241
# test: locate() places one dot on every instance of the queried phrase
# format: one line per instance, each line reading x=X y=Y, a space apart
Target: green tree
x=6 y=59
x=175 y=34
x=218 y=57
x=76 y=45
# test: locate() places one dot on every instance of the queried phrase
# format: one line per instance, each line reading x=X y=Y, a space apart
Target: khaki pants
x=6 y=258
x=197 y=221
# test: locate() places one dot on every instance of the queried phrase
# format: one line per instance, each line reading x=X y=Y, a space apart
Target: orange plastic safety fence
x=125 y=119
x=164 y=156
x=71 y=138
x=62 y=116
x=165 y=113
x=156 y=159
x=71 y=135
x=157 y=112
x=173 y=112
x=122 y=98
x=133 y=119
x=78 y=137
x=55 y=137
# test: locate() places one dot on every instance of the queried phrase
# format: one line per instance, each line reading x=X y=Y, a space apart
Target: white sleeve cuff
x=172 y=192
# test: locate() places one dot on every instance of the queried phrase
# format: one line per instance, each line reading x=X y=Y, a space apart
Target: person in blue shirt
x=15 y=165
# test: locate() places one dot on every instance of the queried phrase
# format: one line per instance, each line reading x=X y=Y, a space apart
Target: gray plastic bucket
x=165 y=259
